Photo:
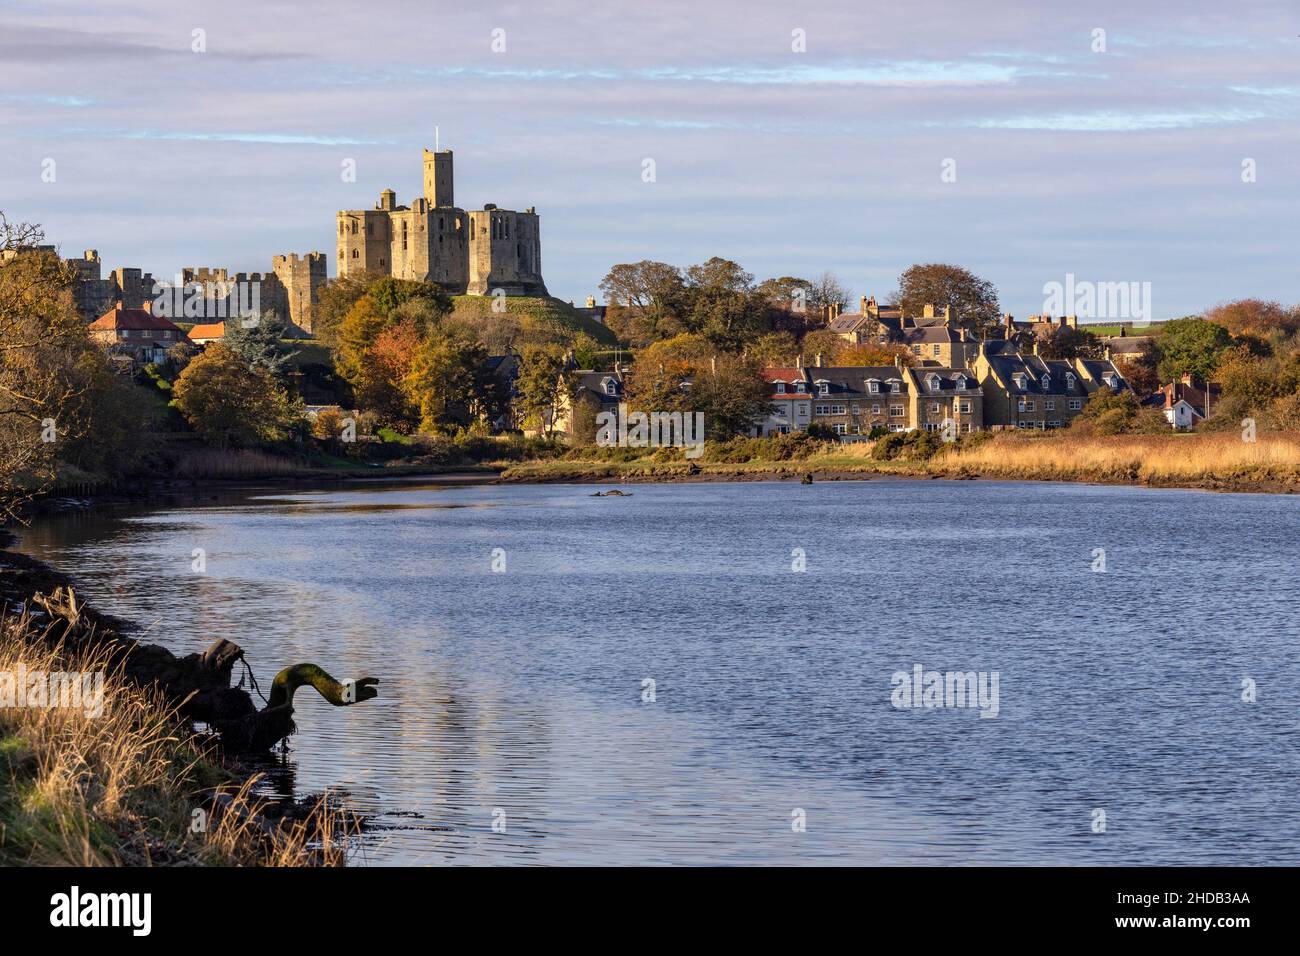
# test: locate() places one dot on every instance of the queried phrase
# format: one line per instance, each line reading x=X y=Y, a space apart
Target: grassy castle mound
x=540 y=316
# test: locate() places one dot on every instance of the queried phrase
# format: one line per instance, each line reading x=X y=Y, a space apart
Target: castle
x=477 y=252
x=290 y=290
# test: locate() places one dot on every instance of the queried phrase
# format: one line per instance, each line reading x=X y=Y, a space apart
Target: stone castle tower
x=434 y=240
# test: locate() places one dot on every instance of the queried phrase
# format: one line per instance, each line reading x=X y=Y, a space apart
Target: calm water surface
x=519 y=694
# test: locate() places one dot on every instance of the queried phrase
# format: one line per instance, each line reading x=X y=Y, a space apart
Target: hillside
x=536 y=313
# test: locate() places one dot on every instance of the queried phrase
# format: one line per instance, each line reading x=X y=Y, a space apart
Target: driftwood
x=199 y=684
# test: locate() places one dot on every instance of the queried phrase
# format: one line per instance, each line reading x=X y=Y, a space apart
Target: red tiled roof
x=132 y=319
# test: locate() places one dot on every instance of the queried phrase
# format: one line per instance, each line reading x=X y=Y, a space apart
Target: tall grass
x=122 y=788
x=1201 y=457
x=233 y=463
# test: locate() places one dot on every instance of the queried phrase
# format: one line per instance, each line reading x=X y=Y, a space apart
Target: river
x=649 y=679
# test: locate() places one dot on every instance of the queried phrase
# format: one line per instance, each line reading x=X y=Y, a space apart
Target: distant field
x=1113 y=328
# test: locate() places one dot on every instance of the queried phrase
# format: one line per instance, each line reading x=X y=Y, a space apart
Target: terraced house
x=1027 y=391
x=940 y=395
x=853 y=399
x=791 y=410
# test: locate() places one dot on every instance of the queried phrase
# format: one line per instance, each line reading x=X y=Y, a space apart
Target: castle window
x=355 y=255
x=370 y=229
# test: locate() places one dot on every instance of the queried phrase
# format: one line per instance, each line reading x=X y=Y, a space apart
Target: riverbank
x=1209 y=461
x=97 y=770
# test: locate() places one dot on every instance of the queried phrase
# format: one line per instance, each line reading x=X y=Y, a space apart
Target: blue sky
x=1116 y=166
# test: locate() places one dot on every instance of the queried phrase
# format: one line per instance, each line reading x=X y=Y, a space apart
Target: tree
x=867 y=354
x=1118 y=413
x=47 y=366
x=774 y=348
x=1255 y=317
x=378 y=386
x=732 y=396
x=647 y=301
x=542 y=386
x=827 y=290
x=450 y=383
x=1190 y=346
x=966 y=295
x=1067 y=342
x=334 y=302
x=228 y=402
x=258 y=341
x=824 y=343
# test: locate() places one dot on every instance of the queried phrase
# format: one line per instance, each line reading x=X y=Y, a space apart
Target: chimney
x=1035 y=345
x=1187 y=378
x=819 y=361
x=1009 y=324
x=862 y=305
x=928 y=311
x=591 y=301
x=1061 y=321
x=798 y=362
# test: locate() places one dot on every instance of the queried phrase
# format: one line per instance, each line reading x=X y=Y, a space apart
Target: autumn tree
x=230 y=403
x=647 y=301
x=969 y=297
x=48 y=366
x=543 y=390
x=453 y=388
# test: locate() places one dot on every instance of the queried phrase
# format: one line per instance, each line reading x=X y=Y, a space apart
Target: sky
x=1012 y=138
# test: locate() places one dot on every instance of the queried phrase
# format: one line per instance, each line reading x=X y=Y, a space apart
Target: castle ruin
x=433 y=240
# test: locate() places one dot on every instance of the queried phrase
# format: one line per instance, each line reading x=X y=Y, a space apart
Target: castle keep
x=434 y=240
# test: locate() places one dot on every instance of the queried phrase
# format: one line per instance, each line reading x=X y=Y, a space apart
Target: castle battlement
x=433 y=240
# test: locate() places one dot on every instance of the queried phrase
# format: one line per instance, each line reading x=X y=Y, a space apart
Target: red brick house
x=136 y=333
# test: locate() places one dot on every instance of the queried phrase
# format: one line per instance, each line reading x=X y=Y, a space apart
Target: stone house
x=1027 y=391
x=854 y=399
x=938 y=395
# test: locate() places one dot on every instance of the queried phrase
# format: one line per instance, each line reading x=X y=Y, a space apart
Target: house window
x=1049 y=405
x=894 y=385
x=963 y=407
x=841 y=428
x=895 y=411
x=961 y=383
x=1047 y=382
x=1076 y=404
x=823 y=410
x=803 y=410
x=823 y=388
x=1069 y=380
x=780 y=388
x=611 y=387
x=875 y=409
x=873 y=387
x=933 y=383
x=856 y=409
x=965 y=426
x=916 y=350
x=935 y=408
x=936 y=350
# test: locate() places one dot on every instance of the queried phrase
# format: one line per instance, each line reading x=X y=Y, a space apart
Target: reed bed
x=1195 y=458
x=122 y=787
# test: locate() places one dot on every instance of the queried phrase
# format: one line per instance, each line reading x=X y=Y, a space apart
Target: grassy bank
x=122 y=787
x=1218 y=461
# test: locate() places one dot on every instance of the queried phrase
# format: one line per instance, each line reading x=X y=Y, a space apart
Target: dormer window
x=823 y=388
x=1047 y=382
x=1019 y=379
x=1111 y=379
x=961 y=383
x=873 y=386
x=1069 y=380
x=611 y=387
x=895 y=386
x=933 y=382
x=780 y=388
